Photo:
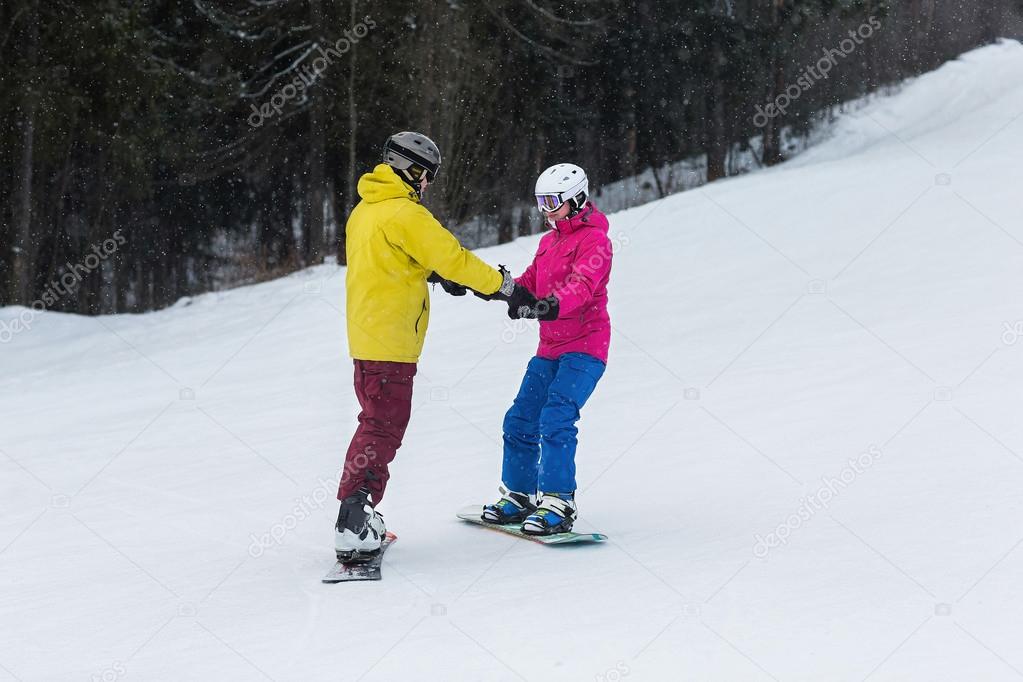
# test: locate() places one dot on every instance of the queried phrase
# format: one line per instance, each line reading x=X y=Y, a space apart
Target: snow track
x=166 y=480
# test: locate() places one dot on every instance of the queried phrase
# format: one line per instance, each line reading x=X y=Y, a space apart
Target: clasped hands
x=522 y=304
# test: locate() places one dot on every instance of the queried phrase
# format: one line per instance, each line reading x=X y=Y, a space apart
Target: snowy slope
x=858 y=303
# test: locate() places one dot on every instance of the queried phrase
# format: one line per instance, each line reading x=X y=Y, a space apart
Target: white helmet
x=560 y=183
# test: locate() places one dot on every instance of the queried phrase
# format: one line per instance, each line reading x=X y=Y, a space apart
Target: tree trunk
x=353 y=122
x=24 y=250
x=991 y=20
x=772 y=131
x=315 y=194
x=629 y=135
x=505 y=227
x=716 y=143
x=776 y=82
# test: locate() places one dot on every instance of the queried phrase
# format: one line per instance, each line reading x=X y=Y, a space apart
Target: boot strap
x=561 y=507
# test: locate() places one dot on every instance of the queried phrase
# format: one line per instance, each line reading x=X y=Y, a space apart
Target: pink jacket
x=573 y=262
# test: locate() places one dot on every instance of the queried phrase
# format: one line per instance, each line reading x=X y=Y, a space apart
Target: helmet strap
x=577 y=202
x=417 y=187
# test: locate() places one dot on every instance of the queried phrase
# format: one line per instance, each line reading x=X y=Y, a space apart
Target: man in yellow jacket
x=394 y=244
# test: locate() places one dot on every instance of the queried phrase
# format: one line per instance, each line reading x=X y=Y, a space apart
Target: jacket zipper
x=420 y=316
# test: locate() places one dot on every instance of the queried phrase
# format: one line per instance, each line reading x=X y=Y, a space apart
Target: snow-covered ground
x=167 y=480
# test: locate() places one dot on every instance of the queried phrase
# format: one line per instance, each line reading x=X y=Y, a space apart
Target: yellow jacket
x=393 y=244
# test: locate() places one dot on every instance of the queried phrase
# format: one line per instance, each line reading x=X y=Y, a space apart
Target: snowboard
x=474 y=513
x=363 y=570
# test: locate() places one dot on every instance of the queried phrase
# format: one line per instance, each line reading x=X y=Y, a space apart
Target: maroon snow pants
x=384 y=390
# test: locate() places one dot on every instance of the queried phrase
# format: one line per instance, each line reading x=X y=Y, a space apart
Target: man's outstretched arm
x=433 y=247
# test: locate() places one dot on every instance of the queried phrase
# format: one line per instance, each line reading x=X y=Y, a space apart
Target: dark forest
x=158 y=149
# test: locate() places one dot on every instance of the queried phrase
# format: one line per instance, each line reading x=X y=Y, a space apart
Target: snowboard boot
x=556 y=514
x=360 y=529
x=511 y=508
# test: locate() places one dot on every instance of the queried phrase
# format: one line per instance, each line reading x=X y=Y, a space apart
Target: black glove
x=546 y=309
x=447 y=285
x=524 y=305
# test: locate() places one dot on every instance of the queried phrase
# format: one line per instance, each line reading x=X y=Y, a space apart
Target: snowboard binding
x=555 y=514
x=355 y=556
x=512 y=508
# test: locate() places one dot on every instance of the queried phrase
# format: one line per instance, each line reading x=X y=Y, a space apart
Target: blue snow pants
x=539 y=428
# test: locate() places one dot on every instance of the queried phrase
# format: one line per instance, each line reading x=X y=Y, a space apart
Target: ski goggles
x=417 y=172
x=549 y=202
x=414 y=164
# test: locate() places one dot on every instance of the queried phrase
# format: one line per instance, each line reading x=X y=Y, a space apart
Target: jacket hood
x=590 y=216
x=382 y=184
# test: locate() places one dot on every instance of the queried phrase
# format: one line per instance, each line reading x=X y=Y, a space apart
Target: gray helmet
x=412 y=155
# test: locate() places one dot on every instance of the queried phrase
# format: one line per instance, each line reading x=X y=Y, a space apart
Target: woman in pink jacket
x=565 y=287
